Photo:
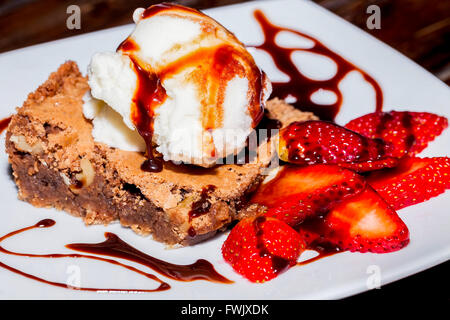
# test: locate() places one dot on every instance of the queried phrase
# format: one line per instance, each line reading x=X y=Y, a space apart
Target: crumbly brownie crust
x=56 y=163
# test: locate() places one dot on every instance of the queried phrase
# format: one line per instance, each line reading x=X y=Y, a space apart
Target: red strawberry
x=365 y=166
x=260 y=248
x=414 y=180
x=409 y=132
x=364 y=223
x=313 y=142
x=300 y=192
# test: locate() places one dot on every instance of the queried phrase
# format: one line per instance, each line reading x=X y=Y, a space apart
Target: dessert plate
x=405 y=86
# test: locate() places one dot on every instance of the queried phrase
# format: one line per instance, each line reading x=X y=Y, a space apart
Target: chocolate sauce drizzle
x=157 y=8
x=406 y=120
x=116 y=247
x=46 y=223
x=201 y=206
x=303 y=153
x=113 y=246
x=279 y=264
x=324 y=248
x=301 y=87
x=323 y=252
x=149 y=94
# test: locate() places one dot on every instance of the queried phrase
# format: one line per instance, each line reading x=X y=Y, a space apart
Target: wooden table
x=420 y=29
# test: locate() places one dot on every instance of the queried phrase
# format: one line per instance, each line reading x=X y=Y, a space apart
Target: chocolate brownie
x=56 y=163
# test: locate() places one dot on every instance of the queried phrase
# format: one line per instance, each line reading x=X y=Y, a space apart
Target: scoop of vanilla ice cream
x=214 y=94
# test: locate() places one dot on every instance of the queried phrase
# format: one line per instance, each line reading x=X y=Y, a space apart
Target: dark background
x=420 y=29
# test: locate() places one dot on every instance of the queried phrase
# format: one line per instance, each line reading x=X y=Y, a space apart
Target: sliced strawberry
x=300 y=192
x=364 y=223
x=260 y=248
x=414 y=180
x=313 y=142
x=365 y=166
x=409 y=132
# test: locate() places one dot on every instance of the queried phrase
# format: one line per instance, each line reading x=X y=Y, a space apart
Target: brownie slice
x=56 y=163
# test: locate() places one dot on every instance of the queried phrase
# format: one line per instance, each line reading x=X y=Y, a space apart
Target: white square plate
x=405 y=85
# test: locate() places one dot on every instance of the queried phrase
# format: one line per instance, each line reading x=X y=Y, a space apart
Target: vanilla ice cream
x=180 y=83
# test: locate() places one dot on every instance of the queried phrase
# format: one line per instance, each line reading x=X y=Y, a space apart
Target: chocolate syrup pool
x=113 y=246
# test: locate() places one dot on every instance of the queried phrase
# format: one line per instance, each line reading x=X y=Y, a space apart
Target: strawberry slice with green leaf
x=409 y=132
x=363 y=223
x=300 y=192
x=413 y=181
x=260 y=248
